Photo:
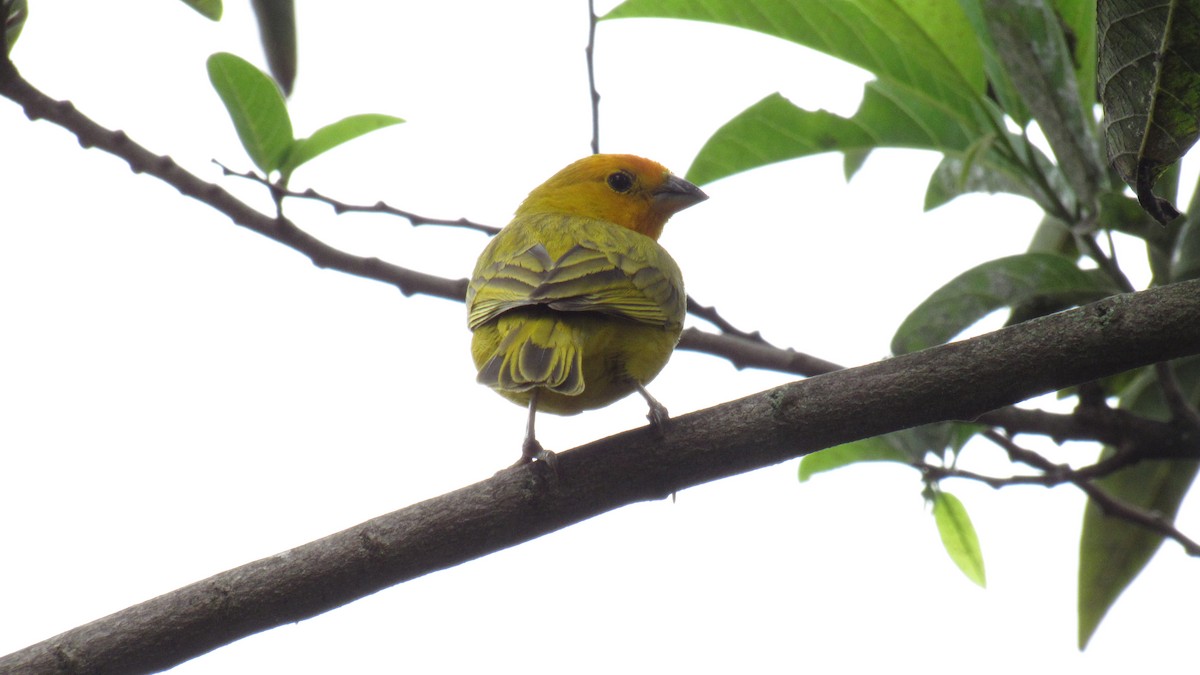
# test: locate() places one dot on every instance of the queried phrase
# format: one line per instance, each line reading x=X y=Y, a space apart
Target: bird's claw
x=658 y=417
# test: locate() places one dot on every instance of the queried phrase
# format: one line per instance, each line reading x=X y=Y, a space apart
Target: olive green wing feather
x=609 y=270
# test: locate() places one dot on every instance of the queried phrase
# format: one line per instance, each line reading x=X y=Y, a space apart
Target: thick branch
x=959 y=381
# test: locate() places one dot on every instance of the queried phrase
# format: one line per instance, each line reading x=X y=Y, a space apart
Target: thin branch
x=340 y=207
x=711 y=315
x=589 y=54
x=1111 y=506
x=744 y=353
x=1087 y=242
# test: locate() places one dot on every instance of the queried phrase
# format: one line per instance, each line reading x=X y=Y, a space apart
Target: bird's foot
x=659 y=418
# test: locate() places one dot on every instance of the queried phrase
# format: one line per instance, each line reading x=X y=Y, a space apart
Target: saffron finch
x=574 y=304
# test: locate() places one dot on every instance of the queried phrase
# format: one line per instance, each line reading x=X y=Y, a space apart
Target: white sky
x=180 y=396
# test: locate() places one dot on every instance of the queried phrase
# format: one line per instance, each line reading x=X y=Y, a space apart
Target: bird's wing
x=611 y=271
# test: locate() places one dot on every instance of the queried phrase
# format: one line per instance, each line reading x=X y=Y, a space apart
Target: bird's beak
x=676 y=194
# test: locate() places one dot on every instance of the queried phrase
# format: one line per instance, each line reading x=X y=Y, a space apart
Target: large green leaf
x=1031 y=46
x=774 y=130
x=1112 y=552
x=256 y=107
x=958 y=536
x=277 y=32
x=1006 y=282
x=881 y=36
x=1150 y=88
x=210 y=9
x=331 y=136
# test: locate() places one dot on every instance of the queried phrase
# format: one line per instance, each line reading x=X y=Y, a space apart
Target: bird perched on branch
x=574 y=305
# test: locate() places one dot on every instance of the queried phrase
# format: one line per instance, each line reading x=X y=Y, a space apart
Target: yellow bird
x=574 y=305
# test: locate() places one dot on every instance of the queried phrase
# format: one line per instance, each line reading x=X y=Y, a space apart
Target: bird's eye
x=620 y=181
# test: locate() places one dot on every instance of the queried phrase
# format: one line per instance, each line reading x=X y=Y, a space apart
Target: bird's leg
x=658 y=412
x=531 y=449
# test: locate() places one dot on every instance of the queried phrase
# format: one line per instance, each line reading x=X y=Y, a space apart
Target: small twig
x=1109 y=265
x=341 y=207
x=589 y=53
x=1153 y=521
x=711 y=315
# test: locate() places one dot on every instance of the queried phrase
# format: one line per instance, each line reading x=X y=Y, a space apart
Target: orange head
x=627 y=190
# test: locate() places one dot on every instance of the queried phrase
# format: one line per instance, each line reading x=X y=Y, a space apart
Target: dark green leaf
x=958 y=536
x=1150 y=89
x=256 y=107
x=1030 y=44
x=210 y=9
x=1005 y=282
x=277 y=31
x=15 y=14
x=331 y=136
x=982 y=169
x=1112 y=552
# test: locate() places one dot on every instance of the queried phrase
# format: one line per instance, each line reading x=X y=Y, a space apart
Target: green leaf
x=982 y=169
x=210 y=9
x=331 y=136
x=775 y=130
x=907 y=446
x=1001 y=87
x=876 y=449
x=1150 y=90
x=958 y=536
x=277 y=32
x=1078 y=20
x=256 y=107
x=1112 y=552
x=881 y=36
x=1030 y=44
x=1005 y=282
x=15 y=13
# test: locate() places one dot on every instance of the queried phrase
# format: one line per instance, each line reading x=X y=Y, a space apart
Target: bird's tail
x=536 y=351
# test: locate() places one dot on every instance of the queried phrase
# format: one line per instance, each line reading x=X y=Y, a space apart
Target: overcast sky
x=179 y=396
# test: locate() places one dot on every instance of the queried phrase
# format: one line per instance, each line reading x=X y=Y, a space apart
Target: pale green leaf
x=958 y=536
x=255 y=106
x=209 y=9
x=333 y=135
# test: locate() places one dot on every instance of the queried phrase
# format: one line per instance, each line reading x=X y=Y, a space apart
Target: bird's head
x=627 y=190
